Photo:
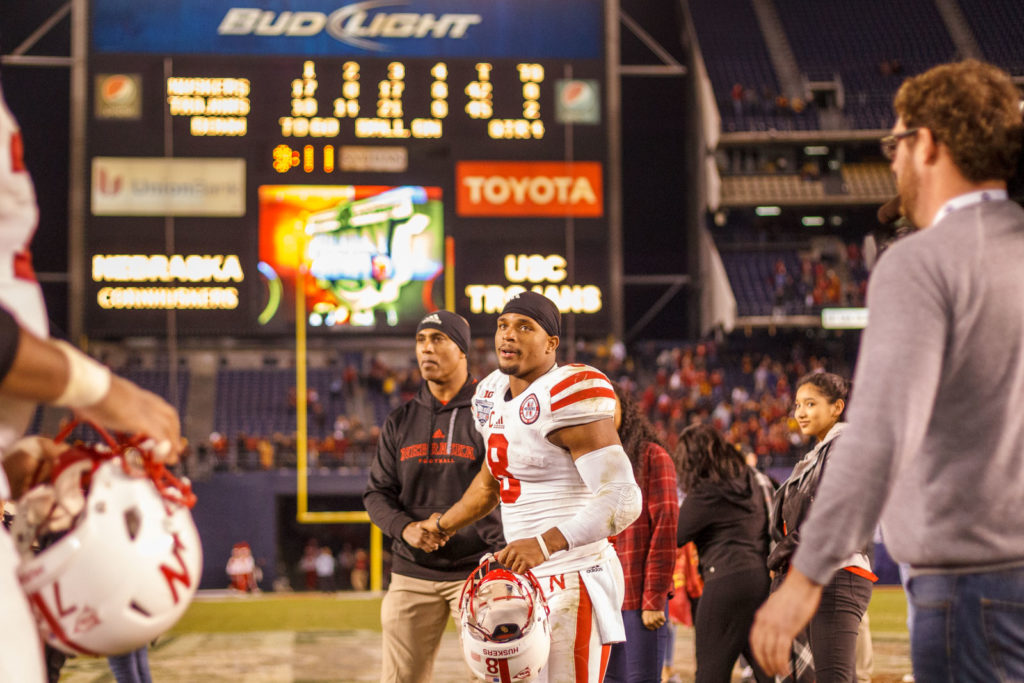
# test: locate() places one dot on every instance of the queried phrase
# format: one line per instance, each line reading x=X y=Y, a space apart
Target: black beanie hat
x=452 y=324
x=538 y=307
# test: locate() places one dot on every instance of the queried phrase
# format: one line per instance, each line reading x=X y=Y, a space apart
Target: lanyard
x=969 y=199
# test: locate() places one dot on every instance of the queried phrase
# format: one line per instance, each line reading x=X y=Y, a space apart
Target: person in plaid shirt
x=646 y=550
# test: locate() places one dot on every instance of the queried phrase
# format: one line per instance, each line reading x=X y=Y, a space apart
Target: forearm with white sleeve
x=617 y=499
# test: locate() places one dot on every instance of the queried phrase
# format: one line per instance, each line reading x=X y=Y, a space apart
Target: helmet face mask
x=504 y=624
x=124 y=571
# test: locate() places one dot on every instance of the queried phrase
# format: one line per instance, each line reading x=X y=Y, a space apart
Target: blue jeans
x=639 y=659
x=132 y=667
x=968 y=627
x=904 y=578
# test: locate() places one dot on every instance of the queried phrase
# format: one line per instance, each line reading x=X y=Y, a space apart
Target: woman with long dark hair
x=646 y=550
x=725 y=513
x=832 y=633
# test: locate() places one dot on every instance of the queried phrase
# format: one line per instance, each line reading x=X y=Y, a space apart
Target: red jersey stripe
x=584 y=625
x=577 y=377
x=17 y=153
x=606 y=653
x=23 y=266
x=583 y=394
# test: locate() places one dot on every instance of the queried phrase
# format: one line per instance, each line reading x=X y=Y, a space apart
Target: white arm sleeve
x=617 y=500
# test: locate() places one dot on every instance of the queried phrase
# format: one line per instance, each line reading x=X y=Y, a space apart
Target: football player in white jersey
x=38 y=369
x=555 y=463
x=19 y=291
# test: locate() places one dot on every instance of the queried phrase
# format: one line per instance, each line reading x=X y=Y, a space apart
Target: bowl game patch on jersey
x=529 y=409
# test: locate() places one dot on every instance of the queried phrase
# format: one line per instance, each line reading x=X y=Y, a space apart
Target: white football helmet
x=505 y=632
x=129 y=564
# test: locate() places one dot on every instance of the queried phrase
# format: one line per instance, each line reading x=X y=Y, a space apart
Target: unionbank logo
x=529 y=188
x=155 y=186
x=108 y=183
x=354 y=24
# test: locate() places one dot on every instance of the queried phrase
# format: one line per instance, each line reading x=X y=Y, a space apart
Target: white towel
x=607 y=588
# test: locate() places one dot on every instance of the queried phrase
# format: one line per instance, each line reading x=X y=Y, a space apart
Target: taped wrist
x=617 y=500
x=88 y=380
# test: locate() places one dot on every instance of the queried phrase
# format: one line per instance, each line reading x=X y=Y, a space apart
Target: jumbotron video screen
x=387 y=158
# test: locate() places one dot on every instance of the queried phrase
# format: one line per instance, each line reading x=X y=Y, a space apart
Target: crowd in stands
x=748 y=101
x=785 y=281
x=351 y=444
x=819 y=283
x=760 y=161
x=746 y=394
x=871 y=48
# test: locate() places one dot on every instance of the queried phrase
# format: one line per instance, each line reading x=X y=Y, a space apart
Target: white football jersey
x=19 y=215
x=540 y=486
x=20 y=649
x=19 y=291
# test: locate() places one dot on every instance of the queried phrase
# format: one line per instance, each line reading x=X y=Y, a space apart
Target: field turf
x=226 y=613
x=335 y=638
x=281 y=612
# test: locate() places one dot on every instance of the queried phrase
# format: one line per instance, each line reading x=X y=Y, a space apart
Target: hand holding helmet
x=129 y=563
x=28 y=461
x=504 y=624
x=130 y=408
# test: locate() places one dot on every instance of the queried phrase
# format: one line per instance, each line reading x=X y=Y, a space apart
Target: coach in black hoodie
x=427 y=455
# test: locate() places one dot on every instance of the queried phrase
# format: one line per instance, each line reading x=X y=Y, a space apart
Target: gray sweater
x=935 y=444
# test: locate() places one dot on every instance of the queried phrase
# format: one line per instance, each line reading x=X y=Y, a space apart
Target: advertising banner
x=447 y=28
x=157 y=186
x=529 y=188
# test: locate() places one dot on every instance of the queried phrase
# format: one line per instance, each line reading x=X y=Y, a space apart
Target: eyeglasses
x=890 y=142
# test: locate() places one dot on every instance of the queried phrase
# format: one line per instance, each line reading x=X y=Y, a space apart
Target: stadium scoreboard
x=386 y=157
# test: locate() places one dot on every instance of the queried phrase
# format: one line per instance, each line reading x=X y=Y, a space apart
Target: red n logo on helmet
x=181 y=574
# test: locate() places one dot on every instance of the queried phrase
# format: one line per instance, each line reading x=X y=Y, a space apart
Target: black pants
x=833 y=630
x=724 y=615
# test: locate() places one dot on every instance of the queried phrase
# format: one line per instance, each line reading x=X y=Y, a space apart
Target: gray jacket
x=936 y=433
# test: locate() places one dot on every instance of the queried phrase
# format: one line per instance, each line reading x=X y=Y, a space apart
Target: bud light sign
x=451 y=28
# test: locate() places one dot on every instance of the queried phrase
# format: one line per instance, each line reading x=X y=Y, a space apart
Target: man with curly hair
x=934 y=442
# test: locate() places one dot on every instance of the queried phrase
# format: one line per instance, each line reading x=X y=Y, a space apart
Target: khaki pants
x=414 y=614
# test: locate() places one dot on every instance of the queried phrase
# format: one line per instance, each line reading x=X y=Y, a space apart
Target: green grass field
x=888 y=611
x=281 y=612
x=346 y=612
x=335 y=638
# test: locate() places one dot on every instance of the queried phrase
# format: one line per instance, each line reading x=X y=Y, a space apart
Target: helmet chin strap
x=139 y=455
x=52 y=504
